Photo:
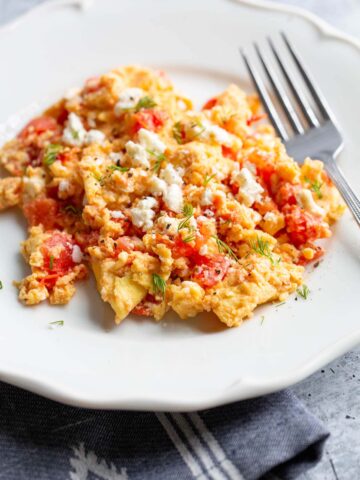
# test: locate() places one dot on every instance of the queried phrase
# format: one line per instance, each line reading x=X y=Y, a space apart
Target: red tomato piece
x=228 y=152
x=210 y=104
x=38 y=126
x=87 y=239
x=57 y=251
x=255 y=118
x=43 y=211
x=302 y=227
x=92 y=84
x=150 y=119
x=210 y=270
x=286 y=194
x=182 y=249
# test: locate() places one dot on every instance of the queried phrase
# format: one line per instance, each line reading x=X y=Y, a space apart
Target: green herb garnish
x=303 y=291
x=262 y=319
x=1 y=285
x=188 y=212
x=224 y=248
x=51 y=153
x=315 y=186
x=159 y=284
x=145 y=102
x=262 y=248
x=177 y=132
x=160 y=157
x=208 y=179
x=58 y=323
x=51 y=262
x=119 y=168
x=189 y=238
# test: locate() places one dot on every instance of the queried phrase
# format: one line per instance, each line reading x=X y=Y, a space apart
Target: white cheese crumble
x=33 y=185
x=203 y=250
x=75 y=134
x=151 y=141
x=157 y=186
x=76 y=254
x=116 y=156
x=306 y=200
x=172 y=175
x=207 y=197
x=173 y=198
x=128 y=99
x=270 y=217
x=249 y=189
x=143 y=214
x=64 y=185
x=116 y=214
x=216 y=134
x=138 y=154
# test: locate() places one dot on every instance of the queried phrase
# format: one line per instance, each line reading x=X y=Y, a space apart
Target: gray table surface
x=333 y=393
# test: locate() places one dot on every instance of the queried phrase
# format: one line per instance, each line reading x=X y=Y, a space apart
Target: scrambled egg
x=171 y=208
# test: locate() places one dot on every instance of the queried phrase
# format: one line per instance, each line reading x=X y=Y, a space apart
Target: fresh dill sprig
x=159 y=284
x=224 y=248
x=197 y=134
x=57 y=323
x=160 y=157
x=119 y=168
x=145 y=102
x=51 y=153
x=51 y=262
x=315 y=186
x=208 y=178
x=303 y=291
x=261 y=247
x=1 y=285
x=189 y=238
x=188 y=212
x=177 y=132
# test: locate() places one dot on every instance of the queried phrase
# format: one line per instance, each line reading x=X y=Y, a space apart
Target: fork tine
x=280 y=94
x=302 y=101
x=264 y=96
x=319 y=99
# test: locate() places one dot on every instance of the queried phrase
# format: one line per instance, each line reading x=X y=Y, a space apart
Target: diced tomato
x=38 y=126
x=319 y=252
x=150 y=119
x=255 y=118
x=144 y=308
x=92 y=84
x=265 y=173
x=286 y=194
x=182 y=249
x=228 y=152
x=210 y=270
x=87 y=239
x=43 y=211
x=302 y=227
x=210 y=103
x=57 y=252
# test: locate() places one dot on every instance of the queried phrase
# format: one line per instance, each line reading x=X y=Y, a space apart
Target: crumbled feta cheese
x=173 y=198
x=138 y=154
x=151 y=141
x=74 y=133
x=116 y=156
x=116 y=214
x=143 y=214
x=128 y=99
x=216 y=133
x=207 y=197
x=168 y=224
x=33 y=185
x=94 y=136
x=306 y=200
x=64 y=185
x=172 y=175
x=249 y=189
x=76 y=254
x=270 y=217
x=203 y=250
x=157 y=186
x=209 y=213
x=250 y=166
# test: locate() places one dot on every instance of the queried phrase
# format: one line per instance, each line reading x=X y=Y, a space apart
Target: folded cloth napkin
x=269 y=437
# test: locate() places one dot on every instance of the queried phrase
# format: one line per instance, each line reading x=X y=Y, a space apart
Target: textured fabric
x=270 y=437
x=41 y=439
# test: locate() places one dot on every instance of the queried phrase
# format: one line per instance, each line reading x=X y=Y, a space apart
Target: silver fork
x=320 y=138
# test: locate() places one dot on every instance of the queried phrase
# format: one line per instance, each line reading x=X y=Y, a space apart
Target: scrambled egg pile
x=170 y=207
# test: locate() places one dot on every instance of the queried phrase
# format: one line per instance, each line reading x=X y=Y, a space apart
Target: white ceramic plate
x=174 y=365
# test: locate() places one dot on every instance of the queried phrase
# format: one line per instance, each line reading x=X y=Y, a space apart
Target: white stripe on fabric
x=210 y=468
x=215 y=447
x=186 y=455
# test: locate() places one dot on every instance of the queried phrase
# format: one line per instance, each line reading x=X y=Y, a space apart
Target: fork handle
x=348 y=194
